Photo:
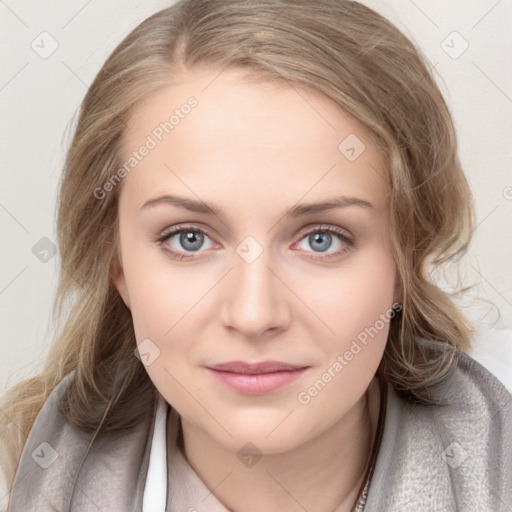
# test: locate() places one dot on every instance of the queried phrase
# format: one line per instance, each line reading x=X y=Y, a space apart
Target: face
x=221 y=260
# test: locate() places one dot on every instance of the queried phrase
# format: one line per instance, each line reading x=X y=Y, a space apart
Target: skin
x=254 y=150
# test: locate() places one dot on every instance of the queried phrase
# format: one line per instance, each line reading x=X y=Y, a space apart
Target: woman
x=295 y=355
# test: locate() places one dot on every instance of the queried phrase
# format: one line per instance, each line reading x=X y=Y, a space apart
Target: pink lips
x=256 y=378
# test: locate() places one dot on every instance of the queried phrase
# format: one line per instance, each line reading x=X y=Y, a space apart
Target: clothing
x=431 y=458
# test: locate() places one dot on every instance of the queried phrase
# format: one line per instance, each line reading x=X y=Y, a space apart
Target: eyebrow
x=293 y=212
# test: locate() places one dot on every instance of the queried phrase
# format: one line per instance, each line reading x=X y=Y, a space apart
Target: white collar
x=155 y=489
x=187 y=490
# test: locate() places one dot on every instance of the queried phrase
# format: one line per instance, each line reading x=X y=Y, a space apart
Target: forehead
x=214 y=132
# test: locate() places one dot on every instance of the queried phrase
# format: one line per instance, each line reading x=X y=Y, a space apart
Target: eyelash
x=170 y=232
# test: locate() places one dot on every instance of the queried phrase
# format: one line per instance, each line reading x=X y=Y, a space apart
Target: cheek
x=357 y=308
x=162 y=300
x=161 y=292
x=162 y=312
x=354 y=298
x=165 y=303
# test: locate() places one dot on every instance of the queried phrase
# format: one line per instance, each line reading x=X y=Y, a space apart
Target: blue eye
x=191 y=239
x=321 y=239
x=180 y=240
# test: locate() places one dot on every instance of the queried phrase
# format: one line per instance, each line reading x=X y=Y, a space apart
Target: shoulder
x=455 y=456
x=67 y=467
x=470 y=393
x=50 y=443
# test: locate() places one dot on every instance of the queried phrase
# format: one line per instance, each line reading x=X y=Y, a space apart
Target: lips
x=256 y=378
x=253 y=368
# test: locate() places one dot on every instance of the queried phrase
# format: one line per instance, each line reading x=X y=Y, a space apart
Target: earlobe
x=119 y=280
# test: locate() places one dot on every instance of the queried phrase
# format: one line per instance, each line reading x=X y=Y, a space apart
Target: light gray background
x=39 y=98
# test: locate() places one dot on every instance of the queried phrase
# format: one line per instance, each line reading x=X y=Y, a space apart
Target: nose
x=255 y=299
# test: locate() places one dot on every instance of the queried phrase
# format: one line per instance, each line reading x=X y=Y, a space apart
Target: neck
x=335 y=471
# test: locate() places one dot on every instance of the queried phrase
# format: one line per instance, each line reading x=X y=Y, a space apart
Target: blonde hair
x=339 y=48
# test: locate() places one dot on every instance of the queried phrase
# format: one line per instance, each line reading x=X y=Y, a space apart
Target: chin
x=252 y=442
x=268 y=436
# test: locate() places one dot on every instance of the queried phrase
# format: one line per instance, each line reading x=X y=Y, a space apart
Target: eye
x=322 y=238
x=179 y=240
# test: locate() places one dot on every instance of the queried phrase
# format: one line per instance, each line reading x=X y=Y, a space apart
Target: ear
x=119 y=280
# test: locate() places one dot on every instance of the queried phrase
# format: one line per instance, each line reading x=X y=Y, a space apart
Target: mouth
x=256 y=378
